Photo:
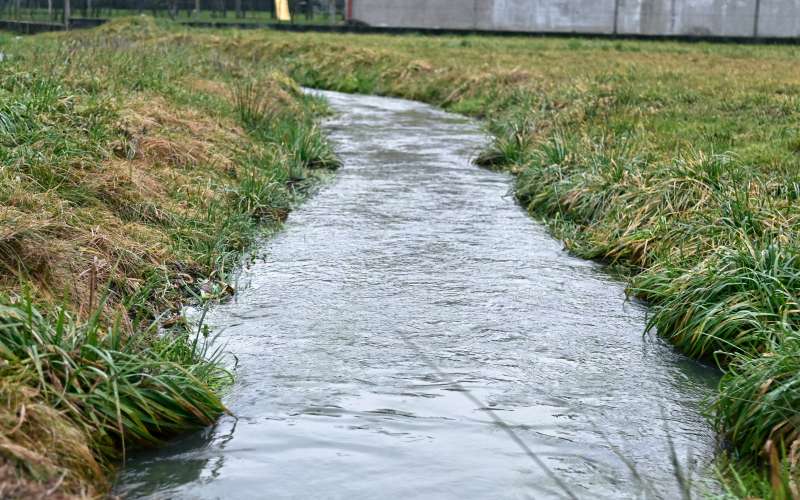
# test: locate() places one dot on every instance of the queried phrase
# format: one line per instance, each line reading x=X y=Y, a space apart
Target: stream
x=413 y=333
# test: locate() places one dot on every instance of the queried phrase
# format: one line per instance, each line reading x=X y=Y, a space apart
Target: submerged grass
x=677 y=162
x=137 y=163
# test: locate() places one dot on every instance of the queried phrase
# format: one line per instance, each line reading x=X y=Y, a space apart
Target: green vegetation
x=136 y=165
x=679 y=163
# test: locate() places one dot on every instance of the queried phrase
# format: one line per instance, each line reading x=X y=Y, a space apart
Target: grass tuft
x=132 y=390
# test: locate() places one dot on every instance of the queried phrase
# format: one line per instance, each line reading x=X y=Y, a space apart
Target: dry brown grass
x=211 y=87
x=47 y=447
x=67 y=250
x=162 y=134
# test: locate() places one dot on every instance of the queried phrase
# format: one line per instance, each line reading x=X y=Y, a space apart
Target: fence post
x=672 y=18
x=756 y=18
x=67 y=14
x=616 y=17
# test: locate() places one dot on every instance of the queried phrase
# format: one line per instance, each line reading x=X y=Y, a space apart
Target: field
x=139 y=160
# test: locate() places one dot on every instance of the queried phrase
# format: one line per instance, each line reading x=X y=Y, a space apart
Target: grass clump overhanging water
x=102 y=390
x=678 y=163
x=137 y=162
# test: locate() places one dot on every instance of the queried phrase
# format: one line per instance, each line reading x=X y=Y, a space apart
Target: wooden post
x=67 y=14
x=332 y=11
x=616 y=17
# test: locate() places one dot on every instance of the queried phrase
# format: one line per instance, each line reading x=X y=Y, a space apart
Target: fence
x=41 y=15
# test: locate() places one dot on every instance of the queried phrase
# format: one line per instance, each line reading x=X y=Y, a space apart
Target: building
x=733 y=18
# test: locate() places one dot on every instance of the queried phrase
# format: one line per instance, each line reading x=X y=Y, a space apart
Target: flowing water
x=408 y=285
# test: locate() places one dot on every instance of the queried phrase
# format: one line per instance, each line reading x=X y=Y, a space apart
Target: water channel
x=409 y=285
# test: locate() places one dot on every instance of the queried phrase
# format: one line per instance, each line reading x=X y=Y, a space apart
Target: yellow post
x=282 y=10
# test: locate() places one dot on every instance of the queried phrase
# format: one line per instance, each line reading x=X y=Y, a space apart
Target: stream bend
x=413 y=250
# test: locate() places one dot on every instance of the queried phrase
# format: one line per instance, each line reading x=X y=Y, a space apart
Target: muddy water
x=408 y=284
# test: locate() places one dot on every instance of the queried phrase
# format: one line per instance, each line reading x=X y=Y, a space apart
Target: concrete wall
x=776 y=18
x=687 y=17
x=453 y=14
x=779 y=18
x=583 y=16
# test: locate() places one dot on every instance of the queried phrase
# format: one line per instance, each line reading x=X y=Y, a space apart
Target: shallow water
x=409 y=283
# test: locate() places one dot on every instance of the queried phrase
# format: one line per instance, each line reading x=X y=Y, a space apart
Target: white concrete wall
x=778 y=18
x=454 y=14
x=687 y=17
x=587 y=16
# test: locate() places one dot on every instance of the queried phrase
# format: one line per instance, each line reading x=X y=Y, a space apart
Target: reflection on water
x=412 y=278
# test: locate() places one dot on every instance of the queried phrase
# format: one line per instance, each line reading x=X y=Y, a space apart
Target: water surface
x=413 y=278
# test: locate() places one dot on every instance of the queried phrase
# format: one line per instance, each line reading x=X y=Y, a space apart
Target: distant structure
x=707 y=18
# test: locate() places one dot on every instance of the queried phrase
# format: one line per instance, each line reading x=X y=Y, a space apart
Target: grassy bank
x=678 y=162
x=137 y=163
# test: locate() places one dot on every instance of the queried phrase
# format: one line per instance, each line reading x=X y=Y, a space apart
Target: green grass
x=120 y=388
x=759 y=396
